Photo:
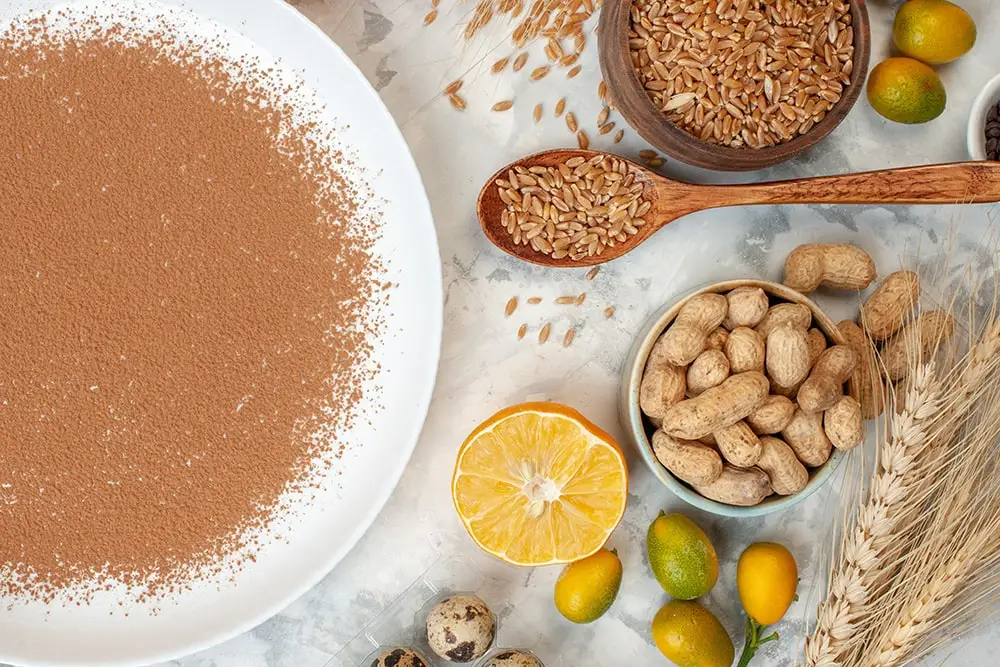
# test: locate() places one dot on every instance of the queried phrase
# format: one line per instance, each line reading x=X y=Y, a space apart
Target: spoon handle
x=955 y=183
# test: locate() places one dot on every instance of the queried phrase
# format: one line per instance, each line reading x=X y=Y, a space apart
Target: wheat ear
x=860 y=565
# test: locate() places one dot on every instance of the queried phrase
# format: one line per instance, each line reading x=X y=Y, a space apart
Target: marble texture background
x=484 y=367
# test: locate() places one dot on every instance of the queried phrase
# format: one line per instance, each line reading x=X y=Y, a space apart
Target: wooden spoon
x=957 y=183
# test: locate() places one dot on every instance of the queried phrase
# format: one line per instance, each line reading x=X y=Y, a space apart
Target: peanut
x=917 y=340
x=772 y=416
x=835 y=265
x=662 y=386
x=708 y=370
x=787 y=356
x=686 y=337
x=885 y=311
x=784 y=314
x=747 y=307
x=787 y=474
x=843 y=424
x=817 y=343
x=805 y=435
x=717 y=339
x=865 y=384
x=737 y=486
x=745 y=351
x=825 y=384
x=716 y=408
x=689 y=461
x=738 y=444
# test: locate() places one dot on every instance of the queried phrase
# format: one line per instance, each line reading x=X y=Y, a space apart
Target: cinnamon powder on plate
x=188 y=307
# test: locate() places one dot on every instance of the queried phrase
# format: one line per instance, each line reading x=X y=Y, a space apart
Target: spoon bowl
x=669 y=199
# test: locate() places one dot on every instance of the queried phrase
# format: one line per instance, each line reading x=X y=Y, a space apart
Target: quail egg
x=513 y=659
x=460 y=628
x=399 y=657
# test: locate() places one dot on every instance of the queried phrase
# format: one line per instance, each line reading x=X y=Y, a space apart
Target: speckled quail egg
x=513 y=659
x=399 y=657
x=460 y=628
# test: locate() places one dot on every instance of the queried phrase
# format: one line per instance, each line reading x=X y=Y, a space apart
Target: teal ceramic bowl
x=640 y=430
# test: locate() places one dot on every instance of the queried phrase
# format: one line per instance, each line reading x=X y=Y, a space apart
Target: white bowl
x=976 y=137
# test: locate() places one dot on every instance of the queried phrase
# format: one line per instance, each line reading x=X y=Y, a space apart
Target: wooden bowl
x=641 y=430
x=626 y=94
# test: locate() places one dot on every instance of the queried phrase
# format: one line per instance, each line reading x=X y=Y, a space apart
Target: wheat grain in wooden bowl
x=734 y=85
x=642 y=429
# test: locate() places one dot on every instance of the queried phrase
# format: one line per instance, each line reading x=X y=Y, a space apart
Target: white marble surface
x=484 y=368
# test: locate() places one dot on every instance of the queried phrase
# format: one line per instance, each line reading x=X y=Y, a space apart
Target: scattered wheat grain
x=510 y=307
x=431 y=16
x=457 y=101
x=565 y=300
x=500 y=65
x=453 y=87
x=537 y=113
x=543 y=333
x=573 y=72
x=539 y=72
x=582 y=140
x=571 y=122
x=560 y=106
x=503 y=105
x=619 y=135
x=609 y=312
x=606 y=128
x=520 y=62
x=535 y=300
x=523 y=329
x=593 y=273
x=581 y=298
x=568 y=338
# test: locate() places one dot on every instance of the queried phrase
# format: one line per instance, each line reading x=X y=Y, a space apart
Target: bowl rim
x=632 y=418
x=975 y=138
x=630 y=100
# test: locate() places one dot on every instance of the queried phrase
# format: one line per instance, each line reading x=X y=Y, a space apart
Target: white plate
x=101 y=634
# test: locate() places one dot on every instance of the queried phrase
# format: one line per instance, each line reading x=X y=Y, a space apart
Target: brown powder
x=189 y=304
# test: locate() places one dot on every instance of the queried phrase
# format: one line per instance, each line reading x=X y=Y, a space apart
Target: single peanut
x=786 y=473
x=744 y=487
x=708 y=370
x=834 y=265
x=745 y=351
x=662 y=385
x=865 y=384
x=885 y=311
x=817 y=343
x=843 y=423
x=825 y=384
x=784 y=314
x=787 y=356
x=918 y=341
x=716 y=408
x=717 y=339
x=772 y=416
x=747 y=307
x=738 y=444
x=689 y=461
x=686 y=337
x=805 y=435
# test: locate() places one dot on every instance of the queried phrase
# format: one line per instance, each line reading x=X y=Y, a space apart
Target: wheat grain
x=430 y=17
x=560 y=106
x=453 y=87
x=520 y=62
x=573 y=72
x=739 y=76
x=500 y=65
x=593 y=273
x=576 y=209
x=537 y=113
x=582 y=140
x=609 y=312
x=521 y=331
x=571 y=122
x=510 y=307
x=535 y=300
x=457 y=101
x=619 y=135
x=568 y=338
x=504 y=105
x=580 y=299
x=565 y=300
x=543 y=333
x=606 y=128
x=539 y=72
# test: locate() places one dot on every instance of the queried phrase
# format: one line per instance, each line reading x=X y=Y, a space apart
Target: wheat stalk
x=860 y=564
x=897 y=582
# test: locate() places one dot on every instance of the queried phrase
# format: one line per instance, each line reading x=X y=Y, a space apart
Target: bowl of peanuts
x=734 y=85
x=737 y=397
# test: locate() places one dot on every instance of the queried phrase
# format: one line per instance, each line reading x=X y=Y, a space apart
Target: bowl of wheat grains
x=734 y=85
